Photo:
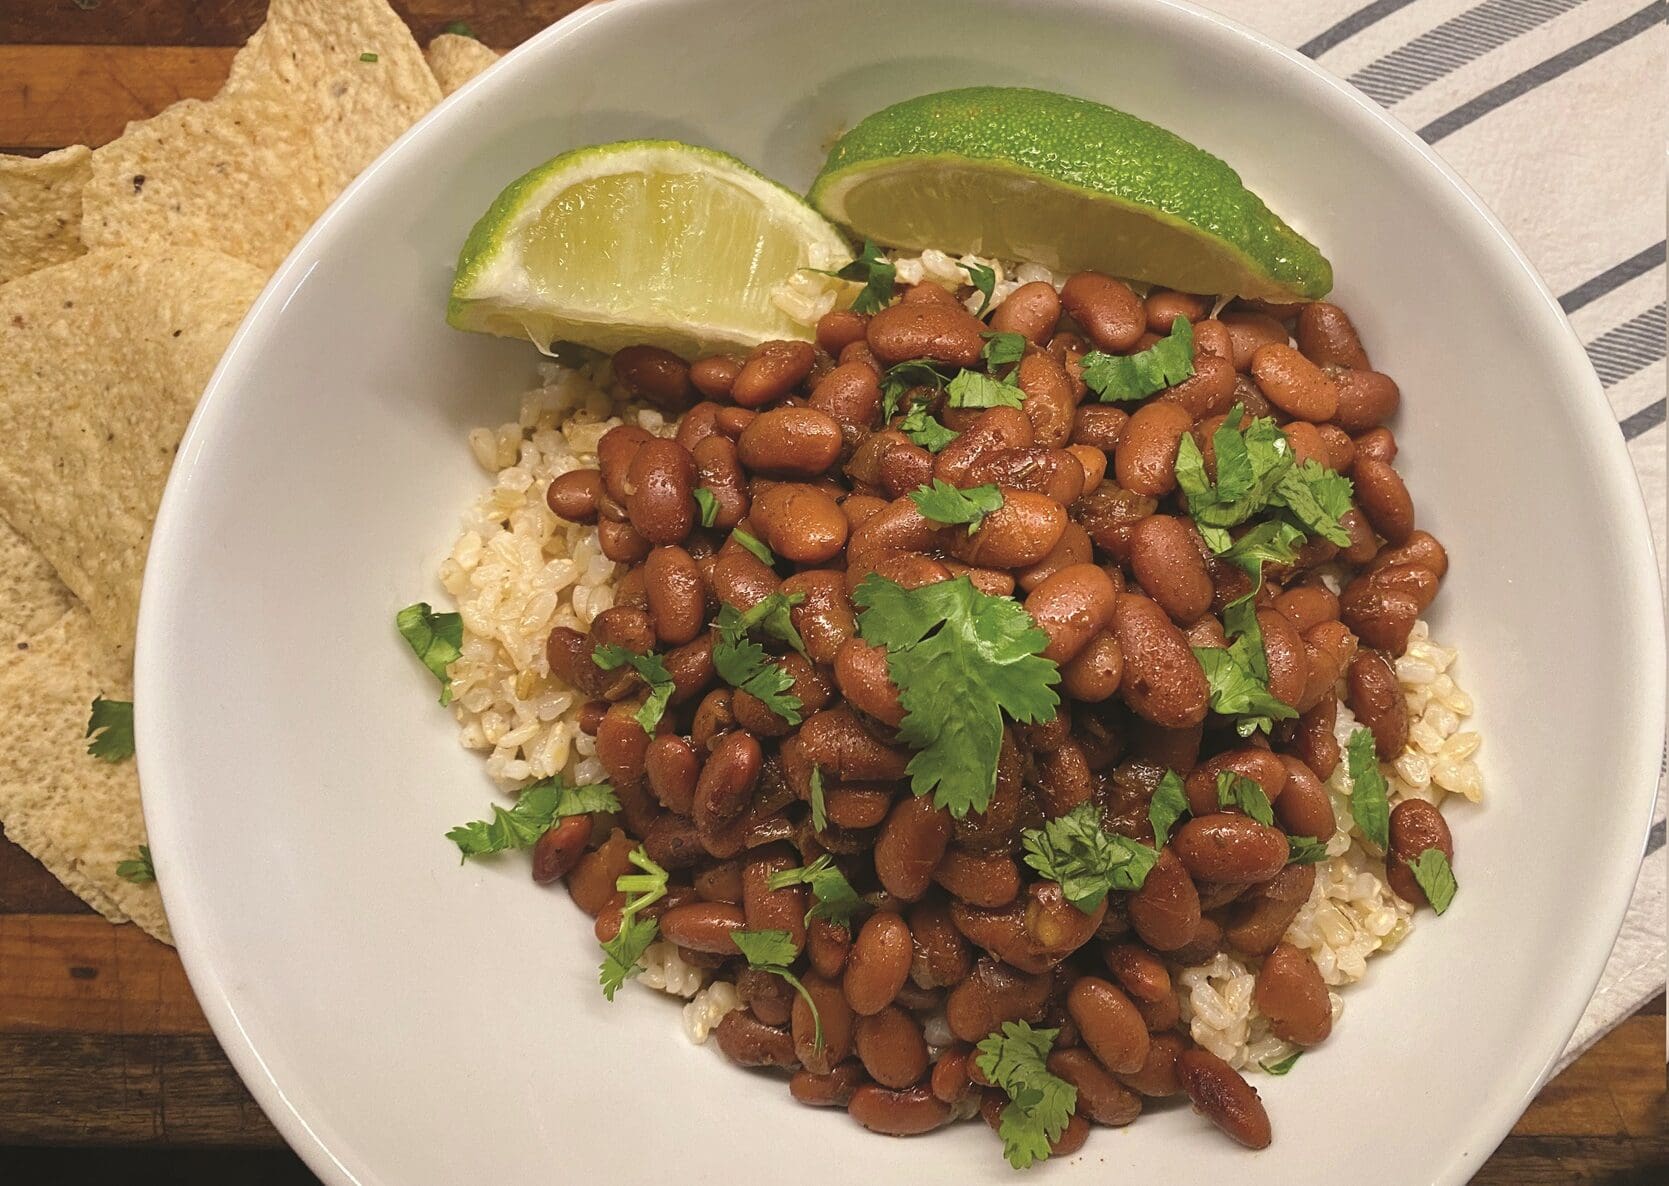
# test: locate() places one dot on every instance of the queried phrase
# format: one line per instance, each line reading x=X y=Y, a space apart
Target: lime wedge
x=1031 y=175
x=642 y=241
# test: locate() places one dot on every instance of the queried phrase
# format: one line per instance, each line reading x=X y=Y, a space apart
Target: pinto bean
x=749 y=1042
x=1384 y=499
x=992 y=994
x=677 y=600
x=1157 y=1077
x=851 y=394
x=837 y=744
x=1021 y=532
x=793 y=442
x=1145 y=459
x=832 y=1090
x=1248 y=332
x=657 y=375
x=1283 y=648
x=827 y=947
x=1261 y=766
x=557 y=851
x=1165 y=305
x=771 y=371
x=1421 y=550
x=1054 y=927
x=839 y=328
x=1108 y=1024
x=891 y=1047
x=1030 y=311
x=991 y=430
x=1377 y=444
x=704 y=926
x=990 y=880
x=621 y=542
x=1304 y=808
x=1327 y=336
x=799 y=523
x=1375 y=696
x=770 y=909
x=1209 y=390
x=861 y=672
x=574 y=495
x=910 y=846
x=926 y=329
x=1162 y=681
x=1099 y=426
x=621 y=743
x=1222 y=1096
x=941 y=956
x=836 y=1020
x=659 y=485
x=905 y=467
x=1262 y=915
x=671 y=767
x=1382 y=617
x=825 y=619
x=720 y=474
x=1313 y=742
x=1165 y=911
x=727 y=781
x=906 y=1113
x=1139 y=972
x=1071 y=607
x=1307 y=605
x=1112 y=315
x=1328 y=649
x=615 y=451
x=1367 y=399
x=1294 y=384
x=1168 y=566
x=1291 y=993
x=1101 y=1098
x=1415 y=826
x=1055 y=473
x=1050 y=404
x=901 y=527
x=1094 y=674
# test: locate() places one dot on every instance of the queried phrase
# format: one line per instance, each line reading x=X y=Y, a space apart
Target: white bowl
x=408 y=1022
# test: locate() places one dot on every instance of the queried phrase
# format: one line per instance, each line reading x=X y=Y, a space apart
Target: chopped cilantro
x=985 y=280
x=944 y=503
x=623 y=953
x=1305 y=850
x=901 y=377
x=1002 y=348
x=1169 y=804
x=1283 y=1066
x=1122 y=377
x=437 y=639
x=1250 y=463
x=110 y=728
x=1317 y=497
x=367 y=57
x=707 y=505
x=773 y=951
x=537 y=808
x=1367 y=790
x=1040 y=1102
x=1085 y=858
x=835 y=899
x=460 y=28
x=610 y=656
x=1273 y=541
x=876 y=273
x=819 y=806
x=924 y=430
x=1236 y=790
x=751 y=542
x=963 y=658
x=1238 y=675
x=743 y=663
x=139 y=869
x=1432 y=873
x=971 y=389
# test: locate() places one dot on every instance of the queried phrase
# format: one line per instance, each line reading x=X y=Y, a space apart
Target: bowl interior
x=407 y=1021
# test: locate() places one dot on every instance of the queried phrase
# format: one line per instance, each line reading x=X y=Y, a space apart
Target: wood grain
x=78 y=974
x=52 y=95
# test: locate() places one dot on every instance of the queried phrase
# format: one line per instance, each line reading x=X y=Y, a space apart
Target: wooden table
x=108 y=1070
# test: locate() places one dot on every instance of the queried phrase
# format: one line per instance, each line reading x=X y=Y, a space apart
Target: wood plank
x=500 y=23
x=77 y=974
x=1615 y=1089
x=176 y=1167
x=27 y=888
x=52 y=95
x=131 y=1089
x=1563 y=1161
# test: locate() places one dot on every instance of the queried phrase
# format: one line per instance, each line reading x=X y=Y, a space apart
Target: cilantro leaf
x=1239 y=679
x=437 y=639
x=1040 y=1102
x=971 y=389
x=944 y=503
x=1432 y=873
x=1367 y=790
x=760 y=552
x=819 y=806
x=110 y=727
x=368 y=56
x=836 y=900
x=1250 y=464
x=139 y=869
x=770 y=615
x=460 y=28
x=743 y=663
x=707 y=505
x=610 y=656
x=1305 y=850
x=1283 y=1066
x=773 y=951
x=1123 y=377
x=1085 y=858
x=1002 y=348
x=1317 y=497
x=1236 y=790
x=538 y=807
x=1169 y=804
x=877 y=275
x=985 y=280
x=924 y=430
x=1271 y=542
x=962 y=659
x=901 y=377
x=621 y=954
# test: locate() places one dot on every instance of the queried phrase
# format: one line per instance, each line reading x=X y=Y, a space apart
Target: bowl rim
x=1618 y=483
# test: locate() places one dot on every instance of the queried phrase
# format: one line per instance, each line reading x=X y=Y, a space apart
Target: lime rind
x=1114 y=161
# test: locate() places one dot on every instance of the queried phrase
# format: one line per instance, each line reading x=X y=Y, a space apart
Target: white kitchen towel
x=1553 y=110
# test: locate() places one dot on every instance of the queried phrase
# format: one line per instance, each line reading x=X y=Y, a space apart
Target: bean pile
x=1095 y=540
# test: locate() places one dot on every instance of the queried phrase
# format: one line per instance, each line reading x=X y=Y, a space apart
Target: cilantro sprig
x=110 y=729
x=1040 y=1102
x=536 y=809
x=436 y=639
x=1434 y=875
x=1117 y=378
x=743 y=663
x=755 y=546
x=833 y=896
x=1238 y=675
x=1368 y=803
x=1087 y=860
x=610 y=655
x=985 y=280
x=1256 y=470
x=877 y=275
x=944 y=503
x=963 y=659
x=1169 y=804
x=623 y=954
x=1244 y=794
x=773 y=951
x=139 y=870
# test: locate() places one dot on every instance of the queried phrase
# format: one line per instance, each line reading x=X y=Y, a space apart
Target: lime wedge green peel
x=647 y=241
x=1031 y=175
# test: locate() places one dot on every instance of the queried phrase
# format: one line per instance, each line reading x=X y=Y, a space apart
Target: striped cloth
x=1553 y=111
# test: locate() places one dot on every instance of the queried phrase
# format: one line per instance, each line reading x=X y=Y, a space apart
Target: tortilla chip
x=455 y=59
x=75 y=814
x=40 y=209
x=101 y=362
x=247 y=172
x=31 y=595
